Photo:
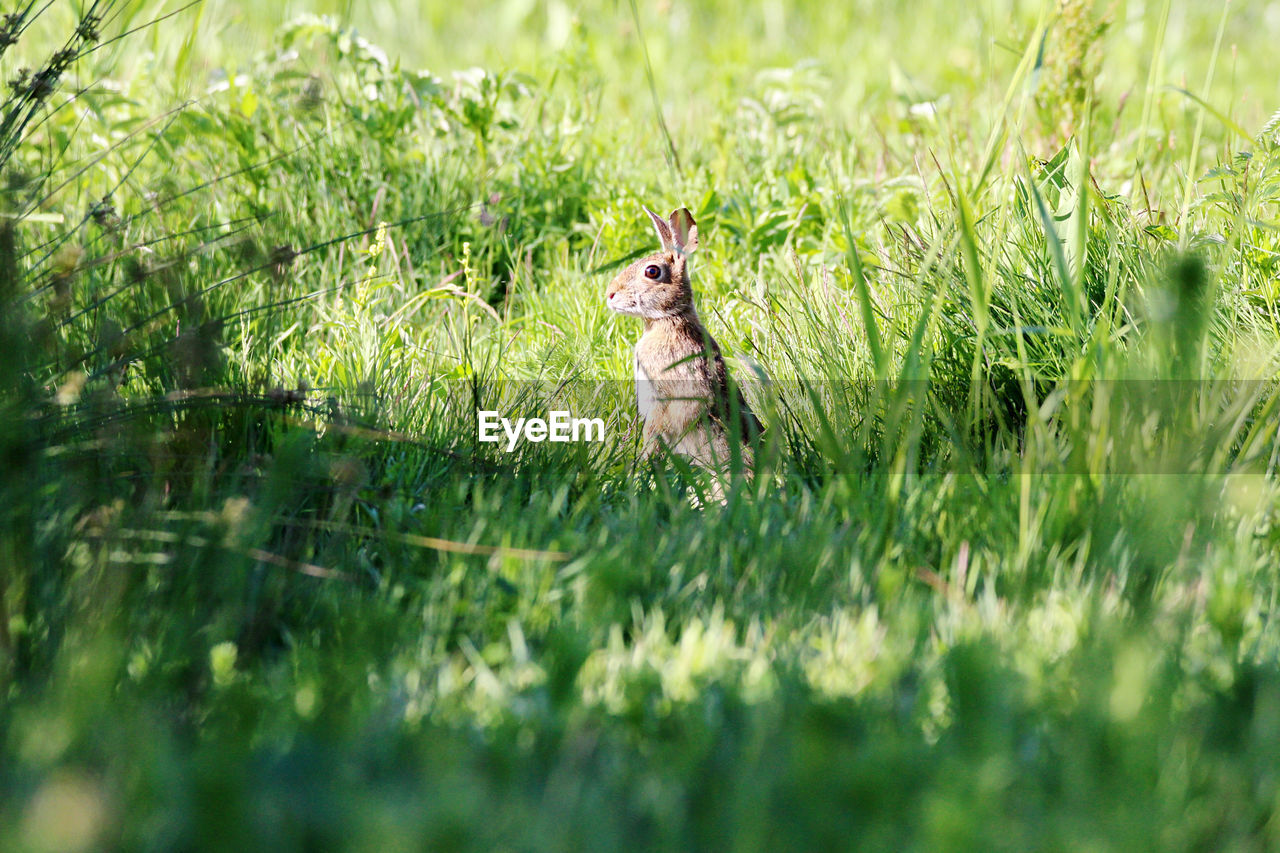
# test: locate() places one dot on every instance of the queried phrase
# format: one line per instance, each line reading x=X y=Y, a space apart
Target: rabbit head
x=657 y=286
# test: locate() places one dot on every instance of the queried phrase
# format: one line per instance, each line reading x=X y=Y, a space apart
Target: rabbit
x=686 y=399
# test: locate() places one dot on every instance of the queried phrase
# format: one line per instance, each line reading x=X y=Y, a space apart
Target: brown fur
x=686 y=398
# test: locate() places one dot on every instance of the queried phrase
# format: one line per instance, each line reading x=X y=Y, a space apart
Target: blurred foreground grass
x=1005 y=279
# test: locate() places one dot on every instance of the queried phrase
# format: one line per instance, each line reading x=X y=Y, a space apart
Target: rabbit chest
x=670 y=375
x=644 y=389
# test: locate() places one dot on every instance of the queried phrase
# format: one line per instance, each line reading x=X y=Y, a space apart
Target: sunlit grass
x=1000 y=282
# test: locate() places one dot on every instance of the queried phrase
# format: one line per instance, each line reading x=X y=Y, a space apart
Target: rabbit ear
x=685 y=231
x=664 y=231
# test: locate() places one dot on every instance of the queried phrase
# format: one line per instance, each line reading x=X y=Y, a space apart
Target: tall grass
x=1005 y=575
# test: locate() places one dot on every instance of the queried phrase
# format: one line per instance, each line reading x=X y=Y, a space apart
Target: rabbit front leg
x=655 y=438
x=667 y=424
x=679 y=425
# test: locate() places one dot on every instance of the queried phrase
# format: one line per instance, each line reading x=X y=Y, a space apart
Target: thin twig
x=673 y=159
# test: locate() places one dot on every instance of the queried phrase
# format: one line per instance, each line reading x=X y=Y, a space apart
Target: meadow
x=1001 y=282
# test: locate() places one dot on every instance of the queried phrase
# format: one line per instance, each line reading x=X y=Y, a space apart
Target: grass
x=1002 y=285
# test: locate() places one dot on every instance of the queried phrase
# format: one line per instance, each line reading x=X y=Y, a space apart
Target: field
x=1002 y=283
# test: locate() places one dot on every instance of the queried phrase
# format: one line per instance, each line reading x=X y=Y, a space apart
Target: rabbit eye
x=653 y=271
